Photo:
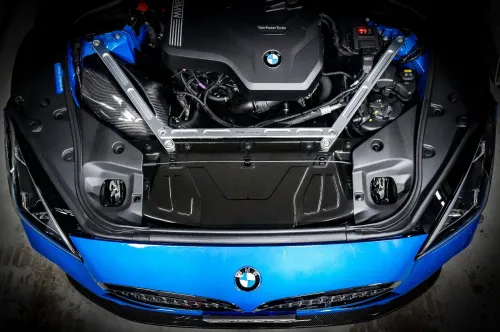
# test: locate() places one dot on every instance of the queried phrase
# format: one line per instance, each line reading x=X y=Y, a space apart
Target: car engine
x=234 y=65
x=250 y=92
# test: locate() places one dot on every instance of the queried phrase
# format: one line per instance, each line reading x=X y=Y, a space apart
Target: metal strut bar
x=142 y=107
x=362 y=92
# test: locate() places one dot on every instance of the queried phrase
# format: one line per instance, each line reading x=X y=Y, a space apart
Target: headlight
x=27 y=195
x=459 y=197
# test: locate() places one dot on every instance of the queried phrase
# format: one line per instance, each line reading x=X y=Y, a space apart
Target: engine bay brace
x=327 y=136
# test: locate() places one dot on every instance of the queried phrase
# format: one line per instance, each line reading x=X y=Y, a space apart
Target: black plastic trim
x=329 y=319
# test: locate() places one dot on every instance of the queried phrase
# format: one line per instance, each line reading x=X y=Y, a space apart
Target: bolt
x=248 y=146
x=400 y=39
x=68 y=154
x=35 y=126
x=137 y=198
x=18 y=99
x=162 y=132
x=326 y=143
x=453 y=98
x=118 y=147
x=348 y=144
x=148 y=147
x=377 y=145
x=438 y=109
x=59 y=114
x=385 y=38
x=187 y=147
x=462 y=121
x=429 y=151
x=117 y=36
x=309 y=146
x=359 y=196
x=96 y=43
x=169 y=145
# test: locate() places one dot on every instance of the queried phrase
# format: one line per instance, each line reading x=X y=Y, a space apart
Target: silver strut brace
x=167 y=135
x=362 y=92
x=142 y=107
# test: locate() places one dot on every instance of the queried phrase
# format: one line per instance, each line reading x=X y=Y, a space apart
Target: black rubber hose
x=326 y=88
x=222 y=99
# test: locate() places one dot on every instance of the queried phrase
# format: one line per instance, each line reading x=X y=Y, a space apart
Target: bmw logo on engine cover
x=272 y=59
x=247 y=279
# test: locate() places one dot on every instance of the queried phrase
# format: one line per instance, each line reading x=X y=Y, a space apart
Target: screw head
x=118 y=147
x=59 y=113
x=462 y=121
x=309 y=146
x=117 y=36
x=325 y=143
x=400 y=39
x=96 y=42
x=377 y=145
x=35 y=126
x=359 y=197
x=68 y=155
x=248 y=146
x=169 y=145
x=187 y=147
x=162 y=132
x=348 y=144
x=428 y=151
x=385 y=38
x=148 y=147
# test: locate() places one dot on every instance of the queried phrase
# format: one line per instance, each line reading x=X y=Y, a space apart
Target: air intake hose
x=254 y=106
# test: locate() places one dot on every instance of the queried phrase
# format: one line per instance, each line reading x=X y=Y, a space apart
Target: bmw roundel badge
x=272 y=59
x=247 y=279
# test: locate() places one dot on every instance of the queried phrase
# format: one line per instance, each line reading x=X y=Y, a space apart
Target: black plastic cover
x=234 y=36
x=224 y=193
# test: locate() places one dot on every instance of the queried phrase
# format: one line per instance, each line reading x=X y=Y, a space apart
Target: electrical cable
x=339 y=73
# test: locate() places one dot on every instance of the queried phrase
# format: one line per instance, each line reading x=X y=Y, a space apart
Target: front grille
x=327 y=319
x=170 y=300
x=328 y=299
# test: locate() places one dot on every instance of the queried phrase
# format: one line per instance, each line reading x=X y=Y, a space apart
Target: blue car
x=218 y=164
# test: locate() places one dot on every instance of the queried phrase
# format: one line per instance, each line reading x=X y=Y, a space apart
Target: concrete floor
x=35 y=293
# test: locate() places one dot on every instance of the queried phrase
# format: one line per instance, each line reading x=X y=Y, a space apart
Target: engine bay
x=270 y=115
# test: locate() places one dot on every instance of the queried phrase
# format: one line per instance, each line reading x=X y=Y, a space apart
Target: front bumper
x=286 y=271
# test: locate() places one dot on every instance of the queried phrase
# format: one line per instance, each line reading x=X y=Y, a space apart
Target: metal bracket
x=194 y=133
x=142 y=107
x=362 y=92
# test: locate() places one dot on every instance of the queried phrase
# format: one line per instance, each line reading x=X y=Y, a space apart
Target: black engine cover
x=235 y=38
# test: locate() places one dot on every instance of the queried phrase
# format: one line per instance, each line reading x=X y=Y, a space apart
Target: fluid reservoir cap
x=142 y=7
x=407 y=75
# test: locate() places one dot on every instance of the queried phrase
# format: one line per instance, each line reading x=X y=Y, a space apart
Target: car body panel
x=209 y=271
x=286 y=271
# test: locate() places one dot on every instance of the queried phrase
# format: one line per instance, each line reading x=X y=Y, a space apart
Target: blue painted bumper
x=286 y=270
